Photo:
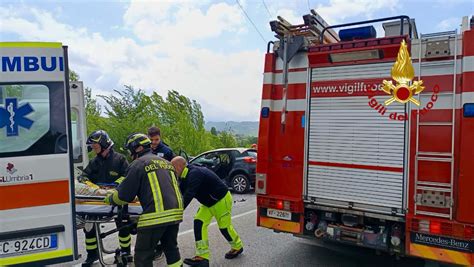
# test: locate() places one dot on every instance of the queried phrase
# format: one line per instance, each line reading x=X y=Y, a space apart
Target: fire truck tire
x=240 y=183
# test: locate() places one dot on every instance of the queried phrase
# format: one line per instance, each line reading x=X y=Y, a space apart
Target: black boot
x=197 y=261
x=126 y=254
x=123 y=256
x=92 y=257
x=158 y=252
x=233 y=253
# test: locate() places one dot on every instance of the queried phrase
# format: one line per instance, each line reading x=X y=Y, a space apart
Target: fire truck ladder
x=434 y=198
x=295 y=37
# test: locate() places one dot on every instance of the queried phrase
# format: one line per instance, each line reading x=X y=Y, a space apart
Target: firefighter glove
x=109 y=198
x=82 y=179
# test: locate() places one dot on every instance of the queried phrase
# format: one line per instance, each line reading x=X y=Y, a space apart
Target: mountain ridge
x=245 y=128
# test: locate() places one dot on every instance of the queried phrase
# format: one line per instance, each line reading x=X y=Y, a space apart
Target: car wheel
x=240 y=183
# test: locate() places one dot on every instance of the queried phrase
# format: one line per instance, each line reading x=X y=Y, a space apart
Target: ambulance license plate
x=279 y=214
x=28 y=244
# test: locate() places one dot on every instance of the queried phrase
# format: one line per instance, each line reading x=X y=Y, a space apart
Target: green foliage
x=180 y=119
x=73 y=76
x=14 y=91
x=246 y=141
x=227 y=139
x=93 y=110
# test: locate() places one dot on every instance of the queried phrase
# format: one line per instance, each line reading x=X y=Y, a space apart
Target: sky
x=210 y=51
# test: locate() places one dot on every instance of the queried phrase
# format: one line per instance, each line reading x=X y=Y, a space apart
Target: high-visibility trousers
x=222 y=211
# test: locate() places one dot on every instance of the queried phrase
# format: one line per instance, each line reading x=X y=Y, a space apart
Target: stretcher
x=91 y=211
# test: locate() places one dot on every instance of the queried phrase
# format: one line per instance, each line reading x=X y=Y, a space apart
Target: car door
x=225 y=164
x=209 y=160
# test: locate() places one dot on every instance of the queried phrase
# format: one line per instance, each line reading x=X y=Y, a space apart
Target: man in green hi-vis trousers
x=216 y=201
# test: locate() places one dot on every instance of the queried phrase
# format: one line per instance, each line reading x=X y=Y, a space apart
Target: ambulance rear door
x=36 y=187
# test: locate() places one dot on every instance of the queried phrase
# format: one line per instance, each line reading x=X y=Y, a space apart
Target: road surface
x=263 y=247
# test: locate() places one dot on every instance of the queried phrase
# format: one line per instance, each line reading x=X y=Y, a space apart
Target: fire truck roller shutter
x=355 y=154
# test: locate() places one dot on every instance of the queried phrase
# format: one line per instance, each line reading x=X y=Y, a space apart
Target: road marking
x=214 y=223
x=192 y=230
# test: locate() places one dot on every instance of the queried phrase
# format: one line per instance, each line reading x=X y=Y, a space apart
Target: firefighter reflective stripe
x=155 y=188
x=91 y=247
x=134 y=138
x=202 y=248
x=158 y=221
x=157 y=218
x=36 y=257
x=441 y=254
x=165 y=213
x=161 y=215
x=185 y=172
x=176 y=264
x=176 y=189
x=120 y=180
x=91 y=243
x=125 y=242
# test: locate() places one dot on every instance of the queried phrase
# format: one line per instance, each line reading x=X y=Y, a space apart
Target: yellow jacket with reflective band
x=153 y=180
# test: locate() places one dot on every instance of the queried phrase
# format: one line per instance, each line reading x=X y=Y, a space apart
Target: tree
x=94 y=121
x=180 y=119
x=246 y=141
x=227 y=139
x=127 y=112
x=73 y=76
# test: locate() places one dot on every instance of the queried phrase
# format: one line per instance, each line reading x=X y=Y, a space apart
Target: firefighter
x=216 y=201
x=108 y=167
x=153 y=180
x=160 y=149
x=158 y=146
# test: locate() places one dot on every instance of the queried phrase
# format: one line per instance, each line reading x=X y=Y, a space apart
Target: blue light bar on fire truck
x=358 y=33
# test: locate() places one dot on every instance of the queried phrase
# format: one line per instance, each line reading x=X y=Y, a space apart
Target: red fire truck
x=346 y=157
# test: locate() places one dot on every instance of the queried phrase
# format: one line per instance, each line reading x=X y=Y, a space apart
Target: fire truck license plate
x=279 y=214
x=28 y=244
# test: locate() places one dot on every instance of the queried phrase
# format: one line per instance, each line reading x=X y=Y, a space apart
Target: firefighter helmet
x=100 y=137
x=136 y=140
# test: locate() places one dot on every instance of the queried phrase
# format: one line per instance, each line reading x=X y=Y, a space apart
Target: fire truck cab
x=353 y=150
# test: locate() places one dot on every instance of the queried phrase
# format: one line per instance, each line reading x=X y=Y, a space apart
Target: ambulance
x=41 y=142
x=367 y=138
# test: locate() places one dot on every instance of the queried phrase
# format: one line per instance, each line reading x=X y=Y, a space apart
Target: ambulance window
x=75 y=135
x=32 y=119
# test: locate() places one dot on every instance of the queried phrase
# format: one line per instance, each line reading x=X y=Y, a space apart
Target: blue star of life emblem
x=12 y=117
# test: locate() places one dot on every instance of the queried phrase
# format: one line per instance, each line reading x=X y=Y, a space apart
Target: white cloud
x=449 y=24
x=338 y=10
x=226 y=84
x=290 y=16
x=181 y=22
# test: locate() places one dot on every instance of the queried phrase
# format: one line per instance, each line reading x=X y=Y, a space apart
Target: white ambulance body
x=36 y=157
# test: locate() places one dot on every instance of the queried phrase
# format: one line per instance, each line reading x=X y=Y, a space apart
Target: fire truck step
x=433 y=184
x=436 y=123
x=438 y=189
x=434 y=214
x=434 y=154
x=420 y=158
